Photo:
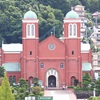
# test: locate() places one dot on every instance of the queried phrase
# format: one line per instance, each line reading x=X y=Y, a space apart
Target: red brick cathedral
x=53 y=61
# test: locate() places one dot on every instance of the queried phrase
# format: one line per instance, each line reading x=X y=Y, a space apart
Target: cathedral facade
x=52 y=61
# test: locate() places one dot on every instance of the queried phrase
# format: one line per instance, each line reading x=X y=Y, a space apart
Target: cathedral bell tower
x=30 y=41
x=72 y=41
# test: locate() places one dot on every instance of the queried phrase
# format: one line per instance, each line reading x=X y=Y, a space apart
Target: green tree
x=36 y=81
x=86 y=80
x=37 y=90
x=23 y=82
x=6 y=93
x=50 y=14
x=91 y=5
x=63 y=5
x=97 y=84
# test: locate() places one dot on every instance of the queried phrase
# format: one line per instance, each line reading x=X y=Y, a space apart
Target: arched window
x=61 y=65
x=42 y=65
x=10 y=78
x=30 y=30
x=72 y=30
x=14 y=79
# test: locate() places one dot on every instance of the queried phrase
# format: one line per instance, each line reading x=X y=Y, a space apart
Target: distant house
x=81 y=12
x=96 y=14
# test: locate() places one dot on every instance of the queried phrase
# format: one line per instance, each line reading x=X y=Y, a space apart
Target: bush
x=42 y=89
x=16 y=96
x=36 y=90
x=12 y=90
x=31 y=94
x=94 y=98
x=21 y=90
x=41 y=93
x=21 y=95
x=26 y=93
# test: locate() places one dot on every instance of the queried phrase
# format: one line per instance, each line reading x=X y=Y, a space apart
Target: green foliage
x=21 y=90
x=94 y=98
x=41 y=93
x=91 y=5
x=6 y=93
x=97 y=84
x=61 y=4
x=21 y=96
x=50 y=14
x=26 y=93
x=16 y=96
x=23 y=82
x=35 y=81
x=84 y=40
x=37 y=90
x=86 y=80
x=76 y=82
x=31 y=94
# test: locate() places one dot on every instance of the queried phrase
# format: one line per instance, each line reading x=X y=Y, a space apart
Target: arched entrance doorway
x=30 y=80
x=51 y=81
x=52 y=78
x=73 y=78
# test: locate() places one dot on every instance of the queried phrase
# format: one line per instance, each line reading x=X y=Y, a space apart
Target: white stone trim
x=30 y=31
x=71 y=28
x=72 y=37
x=54 y=73
x=11 y=52
x=31 y=38
x=72 y=21
x=30 y=21
x=84 y=51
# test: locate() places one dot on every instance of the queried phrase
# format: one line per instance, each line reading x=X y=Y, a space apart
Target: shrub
x=16 y=96
x=36 y=90
x=41 y=93
x=26 y=93
x=21 y=95
x=21 y=90
x=31 y=94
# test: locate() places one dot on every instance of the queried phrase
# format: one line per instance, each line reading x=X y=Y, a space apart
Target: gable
x=51 y=47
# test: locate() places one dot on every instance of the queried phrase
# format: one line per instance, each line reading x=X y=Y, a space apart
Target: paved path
x=60 y=94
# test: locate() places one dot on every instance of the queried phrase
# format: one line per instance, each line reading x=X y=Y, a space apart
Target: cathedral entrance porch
x=52 y=78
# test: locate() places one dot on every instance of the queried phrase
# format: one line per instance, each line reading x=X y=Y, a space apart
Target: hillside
x=50 y=14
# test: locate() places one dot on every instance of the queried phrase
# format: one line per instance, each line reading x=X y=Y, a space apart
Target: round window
x=51 y=46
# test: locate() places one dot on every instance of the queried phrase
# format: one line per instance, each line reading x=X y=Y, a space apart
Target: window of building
x=42 y=65
x=98 y=62
x=72 y=30
x=14 y=79
x=61 y=65
x=72 y=52
x=30 y=52
x=30 y=30
x=10 y=78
